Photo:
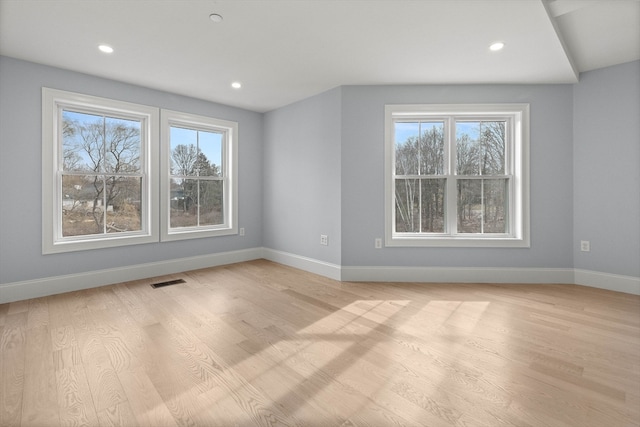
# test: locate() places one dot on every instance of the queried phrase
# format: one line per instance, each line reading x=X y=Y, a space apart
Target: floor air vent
x=168 y=283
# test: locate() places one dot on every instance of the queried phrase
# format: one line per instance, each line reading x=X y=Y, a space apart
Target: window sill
x=457 y=242
x=96 y=243
x=198 y=233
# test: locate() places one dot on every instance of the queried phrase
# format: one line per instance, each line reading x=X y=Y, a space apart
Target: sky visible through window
x=209 y=143
x=84 y=139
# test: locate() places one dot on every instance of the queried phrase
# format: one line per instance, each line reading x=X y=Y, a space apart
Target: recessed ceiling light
x=496 y=46
x=236 y=85
x=105 y=48
x=215 y=17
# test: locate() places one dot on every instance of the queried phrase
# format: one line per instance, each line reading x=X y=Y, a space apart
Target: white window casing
x=228 y=175
x=148 y=175
x=515 y=175
x=54 y=102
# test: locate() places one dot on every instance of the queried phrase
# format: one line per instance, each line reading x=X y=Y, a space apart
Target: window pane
x=122 y=145
x=495 y=202
x=407 y=157
x=82 y=202
x=184 y=151
x=433 y=198
x=210 y=154
x=82 y=142
x=211 y=202
x=123 y=207
x=493 y=139
x=431 y=148
x=467 y=148
x=482 y=205
x=184 y=199
x=469 y=206
x=480 y=147
x=407 y=205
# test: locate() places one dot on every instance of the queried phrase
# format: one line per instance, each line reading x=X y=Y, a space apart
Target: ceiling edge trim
x=563 y=44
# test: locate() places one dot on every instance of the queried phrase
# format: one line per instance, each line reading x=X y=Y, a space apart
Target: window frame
x=53 y=103
x=169 y=118
x=516 y=158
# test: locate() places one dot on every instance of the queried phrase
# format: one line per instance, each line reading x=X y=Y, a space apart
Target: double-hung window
x=97 y=164
x=457 y=175
x=199 y=186
x=117 y=173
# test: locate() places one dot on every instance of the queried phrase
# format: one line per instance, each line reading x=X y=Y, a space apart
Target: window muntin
x=456 y=175
x=97 y=172
x=200 y=190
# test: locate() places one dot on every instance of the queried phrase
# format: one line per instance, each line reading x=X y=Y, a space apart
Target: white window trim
x=53 y=101
x=519 y=158
x=169 y=118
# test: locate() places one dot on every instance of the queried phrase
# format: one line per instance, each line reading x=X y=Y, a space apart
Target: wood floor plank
x=258 y=343
x=12 y=366
x=103 y=381
x=171 y=381
x=39 y=404
x=38 y=314
x=146 y=403
x=134 y=305
x=74 y=396
x=4 y=310
x=212 y=369
x=274 y=379
x=118 y=415
x=18 y=307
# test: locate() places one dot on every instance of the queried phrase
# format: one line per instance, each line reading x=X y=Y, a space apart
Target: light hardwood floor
x=261 y=344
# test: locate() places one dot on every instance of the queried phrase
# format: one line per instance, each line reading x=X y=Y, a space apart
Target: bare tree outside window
x=420 y=188
x=196 y=181
x=456 y=175
x=480 y=151
x=420 y=184
x=101 y=174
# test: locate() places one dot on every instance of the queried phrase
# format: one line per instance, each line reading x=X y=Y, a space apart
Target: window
x=101 y=183
x=199 y=187
x=97 y=172
x=457 y=175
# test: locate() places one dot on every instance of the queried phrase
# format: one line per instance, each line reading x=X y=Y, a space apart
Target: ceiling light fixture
x=236 y=85
x=496 y=46
x=215 y=17
x=105 y=48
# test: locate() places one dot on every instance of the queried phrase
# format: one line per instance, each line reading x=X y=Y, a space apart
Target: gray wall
x=550 y=165
x=302 y=177
x=317 y=167
x=20 y=175
x=606 y=155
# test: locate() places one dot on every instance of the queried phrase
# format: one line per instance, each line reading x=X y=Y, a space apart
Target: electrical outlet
x=242 y=231
x=324 y=240
x=585 y=246
x=378 y=243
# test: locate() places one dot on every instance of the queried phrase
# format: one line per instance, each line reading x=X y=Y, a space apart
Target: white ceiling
x=286 y=50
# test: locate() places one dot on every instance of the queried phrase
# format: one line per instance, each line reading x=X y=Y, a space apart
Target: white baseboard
x=332 y=271
x=612 y=282
x=457 y=274
x=36 y=288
